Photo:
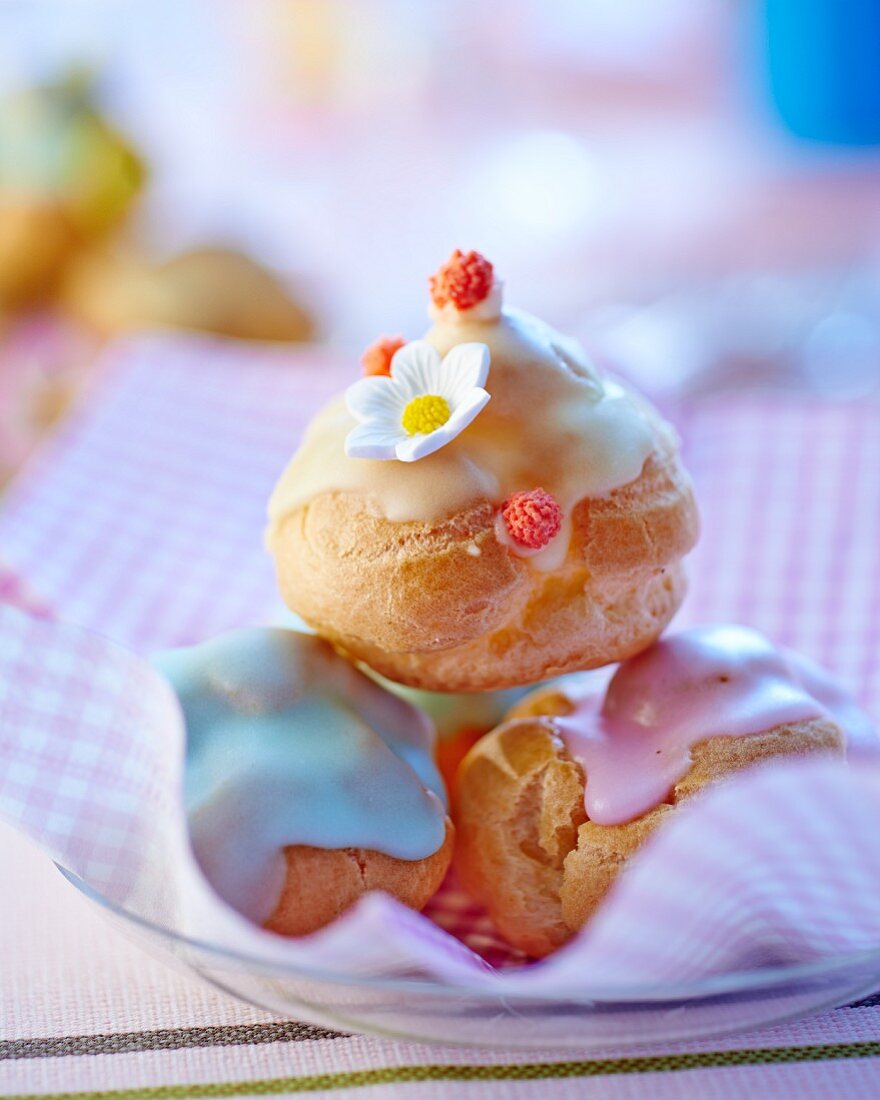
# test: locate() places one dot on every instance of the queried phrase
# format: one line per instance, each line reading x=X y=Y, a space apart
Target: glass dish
x=426 y=1011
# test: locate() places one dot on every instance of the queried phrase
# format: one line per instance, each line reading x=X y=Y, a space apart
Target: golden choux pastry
x=551 y=805
x=320 y=883
x=484 y=509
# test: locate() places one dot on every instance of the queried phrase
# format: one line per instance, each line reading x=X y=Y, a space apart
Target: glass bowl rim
x=713 y=985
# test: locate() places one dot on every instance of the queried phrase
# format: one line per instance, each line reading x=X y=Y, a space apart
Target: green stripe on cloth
x=532 y=1071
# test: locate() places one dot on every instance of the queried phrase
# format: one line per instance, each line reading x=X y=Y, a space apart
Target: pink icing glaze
x=714 y=681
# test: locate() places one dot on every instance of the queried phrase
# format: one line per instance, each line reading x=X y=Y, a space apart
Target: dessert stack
x=482 y=512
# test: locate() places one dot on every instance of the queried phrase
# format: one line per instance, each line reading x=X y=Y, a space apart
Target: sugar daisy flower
x=423 y=405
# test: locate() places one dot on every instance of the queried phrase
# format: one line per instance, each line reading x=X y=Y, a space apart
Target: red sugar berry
x=377 y=358
x=465 y=280
x=532 y=518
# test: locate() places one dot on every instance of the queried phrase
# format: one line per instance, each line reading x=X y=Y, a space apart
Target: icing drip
x=287 y=744
x=551 y=421
x=721 y=681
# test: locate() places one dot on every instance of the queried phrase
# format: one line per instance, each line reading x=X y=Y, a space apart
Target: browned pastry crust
x=525 y=847
x=322 y=883
x=447 y=607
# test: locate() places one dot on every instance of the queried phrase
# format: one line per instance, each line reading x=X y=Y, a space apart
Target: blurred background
x=693 y=186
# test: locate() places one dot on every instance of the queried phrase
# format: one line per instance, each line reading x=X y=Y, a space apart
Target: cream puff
x=306 y=783
x=484 y=509
x=552 y=804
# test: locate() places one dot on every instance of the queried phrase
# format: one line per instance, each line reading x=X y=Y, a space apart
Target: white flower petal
x=466 y=366
x=374 y=399
x=416 y=369
x=414 y=447
x=466 y=411
x=371 y=441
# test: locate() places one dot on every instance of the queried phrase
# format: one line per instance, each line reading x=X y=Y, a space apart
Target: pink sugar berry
x=532 y=518
x=376 y=360
x=465 y=280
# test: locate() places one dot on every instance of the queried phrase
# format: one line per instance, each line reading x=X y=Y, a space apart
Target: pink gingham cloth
x=158 y=486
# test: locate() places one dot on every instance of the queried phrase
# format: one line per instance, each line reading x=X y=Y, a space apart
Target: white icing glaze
x=287 y=744
x=487 y=310
x=552 y=423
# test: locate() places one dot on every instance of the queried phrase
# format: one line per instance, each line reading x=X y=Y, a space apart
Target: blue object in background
x=824 y=62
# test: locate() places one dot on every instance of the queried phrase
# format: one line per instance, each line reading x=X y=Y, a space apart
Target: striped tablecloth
x=81 y=1010
x=790 y=492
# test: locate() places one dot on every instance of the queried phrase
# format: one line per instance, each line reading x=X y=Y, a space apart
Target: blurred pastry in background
x=37 y=240
x=67 y=178
x=71 y=273
x=212 y=289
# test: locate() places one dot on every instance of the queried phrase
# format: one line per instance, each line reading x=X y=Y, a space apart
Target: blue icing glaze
x=288 y=744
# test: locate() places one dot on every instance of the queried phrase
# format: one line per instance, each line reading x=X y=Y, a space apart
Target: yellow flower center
x=425 y=414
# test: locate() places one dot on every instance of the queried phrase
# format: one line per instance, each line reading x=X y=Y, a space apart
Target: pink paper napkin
x=15 y=592
x=764 y=869
x=141 y=521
